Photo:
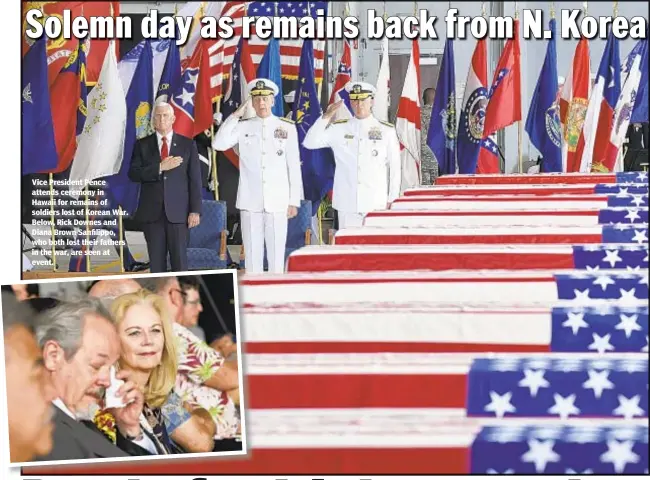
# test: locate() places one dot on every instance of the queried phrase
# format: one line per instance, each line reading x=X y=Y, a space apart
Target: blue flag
x=139 y=105
x=171 y=74
x=38 y=145
x=543 y=122
x=640 y=111
x=232 y=99
x=442 y=130
x=271 y=68
x=317 y=165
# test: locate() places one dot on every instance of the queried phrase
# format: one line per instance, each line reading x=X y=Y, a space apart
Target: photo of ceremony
x=433 y=217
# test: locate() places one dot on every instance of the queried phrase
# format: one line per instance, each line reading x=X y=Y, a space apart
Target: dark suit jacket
x=72 y=440
x=123 y=444
x=178 y=190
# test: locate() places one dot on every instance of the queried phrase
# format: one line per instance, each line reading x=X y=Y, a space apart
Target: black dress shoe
x=138 y=267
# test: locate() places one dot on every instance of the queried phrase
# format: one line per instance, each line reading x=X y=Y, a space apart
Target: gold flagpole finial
x=584 y=7
x=615 y=9
x=483 y=10
x=415 y=8
x=552 y=9
x=516 y=10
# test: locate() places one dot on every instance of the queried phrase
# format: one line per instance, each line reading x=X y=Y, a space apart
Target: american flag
x=567 y=450
x=603 y=328
x=316 y=258
x=530 y=189
x=545 y=178
x=560 y=386
x=222 y=52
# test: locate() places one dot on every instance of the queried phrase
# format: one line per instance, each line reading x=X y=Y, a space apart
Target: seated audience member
x=192 y=306
x=29 y=392
x=226 y=346
x=109 y=290
x=202 y=379
x=79 y=344
x=148 y=354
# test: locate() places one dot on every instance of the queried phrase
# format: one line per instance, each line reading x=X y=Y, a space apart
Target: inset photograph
x=123 y=367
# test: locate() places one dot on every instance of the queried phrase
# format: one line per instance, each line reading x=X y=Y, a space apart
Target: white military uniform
x=367 y=156
x=270 y=180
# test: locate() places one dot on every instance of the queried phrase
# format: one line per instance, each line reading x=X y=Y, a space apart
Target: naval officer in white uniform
x=366 y=152
x=270 y=179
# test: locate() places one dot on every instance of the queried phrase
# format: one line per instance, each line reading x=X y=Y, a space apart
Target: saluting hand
x=239 y=113
x=331 y=110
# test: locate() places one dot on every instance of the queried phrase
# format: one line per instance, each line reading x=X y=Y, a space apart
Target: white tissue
x=111 y=400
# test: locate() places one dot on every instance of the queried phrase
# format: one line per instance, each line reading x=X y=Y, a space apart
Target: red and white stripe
x=516 y=180
x=502 y=189
x=499 y=202
x=460 y=234
x=445 y=286
x=222 y=52
x=423 y=327
x=317 y=258
x=336 y=441
x=409 y=120
x=548 y=217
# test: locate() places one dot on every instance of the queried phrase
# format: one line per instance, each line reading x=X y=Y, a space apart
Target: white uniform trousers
x=350 y=220
x=259 y=228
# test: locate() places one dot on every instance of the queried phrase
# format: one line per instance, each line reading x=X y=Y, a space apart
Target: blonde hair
x=163 y=377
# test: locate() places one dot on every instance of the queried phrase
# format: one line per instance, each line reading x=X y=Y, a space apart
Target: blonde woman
x=148 y=352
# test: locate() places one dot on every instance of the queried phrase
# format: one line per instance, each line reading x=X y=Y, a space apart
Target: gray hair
x=155 y=284
x=164 y=105
x=15 y=313
x=64 y=324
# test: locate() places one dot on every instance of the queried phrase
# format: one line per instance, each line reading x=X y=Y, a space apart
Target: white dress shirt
x=169 y=141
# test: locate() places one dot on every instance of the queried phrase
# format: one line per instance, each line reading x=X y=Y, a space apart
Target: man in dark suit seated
x=29 y=393
x=167 y=166
x=79 y=344
x=636 y=156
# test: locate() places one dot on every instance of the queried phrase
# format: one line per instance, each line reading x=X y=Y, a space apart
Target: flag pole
x=615 y=9
x=121 y=237
x=52 y=222
x=520 y=133
x=87 y=231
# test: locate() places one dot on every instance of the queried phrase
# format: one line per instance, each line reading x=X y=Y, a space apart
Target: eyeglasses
x=185 y=300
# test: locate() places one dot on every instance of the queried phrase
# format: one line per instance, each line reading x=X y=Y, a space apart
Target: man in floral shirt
x=202 y=380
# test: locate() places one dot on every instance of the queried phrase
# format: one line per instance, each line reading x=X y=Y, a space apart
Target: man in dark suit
x=79 y=345
x=167 y=166
x=636 y=156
